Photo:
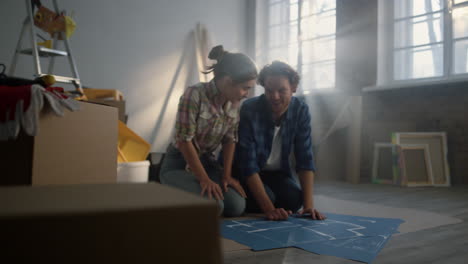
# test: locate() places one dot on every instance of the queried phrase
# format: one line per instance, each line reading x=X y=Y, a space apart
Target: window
x=422 y=40
x=303 y=34
x=460 y=37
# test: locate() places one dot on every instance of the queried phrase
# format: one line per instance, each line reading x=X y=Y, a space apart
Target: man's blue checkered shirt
x=256 y=131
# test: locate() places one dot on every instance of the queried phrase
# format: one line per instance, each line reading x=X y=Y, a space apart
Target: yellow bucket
x=92 y=93
x=131 y=147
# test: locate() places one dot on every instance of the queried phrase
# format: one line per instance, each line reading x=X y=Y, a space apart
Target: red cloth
x=60 y=91
x=9 y=98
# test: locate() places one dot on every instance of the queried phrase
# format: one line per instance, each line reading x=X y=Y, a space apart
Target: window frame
x=388 y=78
x=300 y=64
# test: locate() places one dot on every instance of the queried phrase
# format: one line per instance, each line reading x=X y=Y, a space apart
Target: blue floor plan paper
x=351 y=237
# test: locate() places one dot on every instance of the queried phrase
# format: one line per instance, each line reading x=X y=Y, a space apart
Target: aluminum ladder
x=42 y=52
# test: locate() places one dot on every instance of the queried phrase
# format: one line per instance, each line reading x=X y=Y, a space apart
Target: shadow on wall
x=187 y=59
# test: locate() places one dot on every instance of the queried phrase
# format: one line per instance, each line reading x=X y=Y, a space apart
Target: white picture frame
x=376 y=164
x=437 y=143
x=416 y=170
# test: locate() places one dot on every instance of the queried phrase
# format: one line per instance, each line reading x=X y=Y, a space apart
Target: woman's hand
x=278 y=214
x=314 y=214
x=212 y=189
x=234 y=183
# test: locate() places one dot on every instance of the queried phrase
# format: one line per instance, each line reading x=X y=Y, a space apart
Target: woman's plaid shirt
x=203 y=119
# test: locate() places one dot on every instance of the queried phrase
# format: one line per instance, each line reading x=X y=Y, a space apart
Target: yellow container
x=131 y=147
x=92 y=93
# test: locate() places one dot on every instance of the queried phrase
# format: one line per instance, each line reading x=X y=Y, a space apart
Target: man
x=273 y=128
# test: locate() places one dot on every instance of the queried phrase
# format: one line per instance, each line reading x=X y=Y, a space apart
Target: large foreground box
x=107 y=223
x=80 y=147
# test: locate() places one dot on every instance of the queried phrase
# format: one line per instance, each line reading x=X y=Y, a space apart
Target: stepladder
x=53 y=22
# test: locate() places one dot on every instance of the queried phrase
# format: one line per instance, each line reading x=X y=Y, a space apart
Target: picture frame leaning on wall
x=437 y=148
x=383 y=164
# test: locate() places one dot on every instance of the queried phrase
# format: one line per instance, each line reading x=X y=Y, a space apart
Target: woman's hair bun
x=217 y=53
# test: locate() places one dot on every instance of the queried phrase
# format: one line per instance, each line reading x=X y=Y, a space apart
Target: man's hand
x=234 y=183
x=314 y=214
x=211 y=189
x=278 y=214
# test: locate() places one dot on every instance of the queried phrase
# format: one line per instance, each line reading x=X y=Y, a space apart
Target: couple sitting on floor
x=258 y=142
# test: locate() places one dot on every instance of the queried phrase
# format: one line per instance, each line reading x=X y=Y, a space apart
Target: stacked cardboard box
x=79 y=147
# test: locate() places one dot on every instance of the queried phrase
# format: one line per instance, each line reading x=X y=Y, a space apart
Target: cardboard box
x=107 y=223
x=120 y=105
x=77 y=148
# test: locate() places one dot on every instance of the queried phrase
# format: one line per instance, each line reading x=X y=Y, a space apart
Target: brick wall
x=422 y=109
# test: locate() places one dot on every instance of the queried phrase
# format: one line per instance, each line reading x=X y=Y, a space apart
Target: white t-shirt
x=274 y=160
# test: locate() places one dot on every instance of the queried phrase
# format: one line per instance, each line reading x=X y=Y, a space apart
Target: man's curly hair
x=279 y=68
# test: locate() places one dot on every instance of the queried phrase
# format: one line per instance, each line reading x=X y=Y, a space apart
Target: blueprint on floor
x=352 y=237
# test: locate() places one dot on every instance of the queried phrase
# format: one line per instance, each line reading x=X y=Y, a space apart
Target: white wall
x=135 y=47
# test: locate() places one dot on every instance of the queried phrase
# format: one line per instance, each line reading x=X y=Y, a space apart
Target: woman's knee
x=170 y=177
x=182 y=180
x=163 y=177
x=234 y=204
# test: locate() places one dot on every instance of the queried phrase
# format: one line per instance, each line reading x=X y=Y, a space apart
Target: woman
x=207 y=117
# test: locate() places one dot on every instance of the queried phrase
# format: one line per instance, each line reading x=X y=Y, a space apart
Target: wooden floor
x=443 y=244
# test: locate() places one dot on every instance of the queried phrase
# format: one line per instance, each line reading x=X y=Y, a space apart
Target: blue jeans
x=283 y=191
x=173 y=173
